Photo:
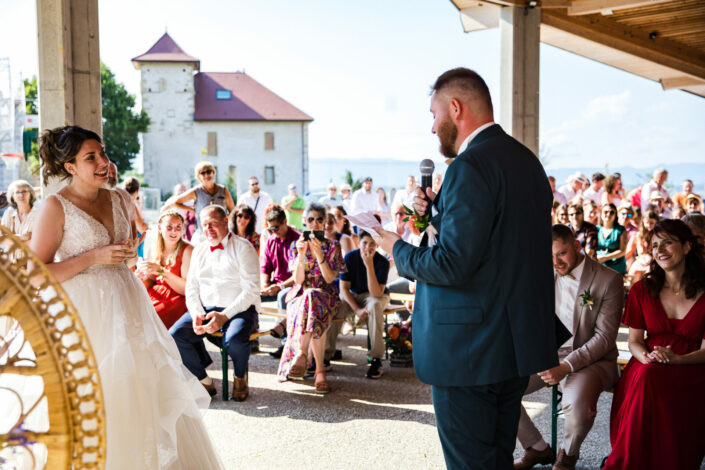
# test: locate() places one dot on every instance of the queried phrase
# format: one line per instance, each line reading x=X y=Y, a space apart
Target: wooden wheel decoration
x=51 y=403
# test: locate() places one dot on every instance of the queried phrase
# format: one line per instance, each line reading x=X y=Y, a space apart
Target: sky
x=363 y=70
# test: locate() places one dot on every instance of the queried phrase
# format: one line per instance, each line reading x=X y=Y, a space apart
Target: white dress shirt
x=257 y=204
x=566 y=295
x=364 y=202
x=469 y=138
x=226 y=278
x=594 y=196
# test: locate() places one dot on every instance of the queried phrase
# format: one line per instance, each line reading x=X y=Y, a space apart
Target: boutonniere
x=586 y=299
x=416 y=220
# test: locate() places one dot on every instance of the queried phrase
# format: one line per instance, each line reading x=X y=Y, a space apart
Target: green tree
x=121 y=126
x=31 y=107
x=30 y=94
x=355 y=184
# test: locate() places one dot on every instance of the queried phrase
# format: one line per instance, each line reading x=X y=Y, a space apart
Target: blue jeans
x=236 y=341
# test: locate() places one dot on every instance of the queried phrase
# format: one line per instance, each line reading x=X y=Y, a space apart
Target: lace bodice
x=83 y=232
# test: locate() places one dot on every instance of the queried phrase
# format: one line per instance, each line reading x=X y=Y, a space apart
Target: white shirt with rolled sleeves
x=227 y=278
x=364 y=202
x=566 y=293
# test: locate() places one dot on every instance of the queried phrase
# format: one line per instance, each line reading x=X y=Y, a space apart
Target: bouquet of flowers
x=399 y=338
x=417 y=222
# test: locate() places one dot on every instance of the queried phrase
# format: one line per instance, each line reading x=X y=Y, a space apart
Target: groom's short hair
x=563 y=233
x=464 y=84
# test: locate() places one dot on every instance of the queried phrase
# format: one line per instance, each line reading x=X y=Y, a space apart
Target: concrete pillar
x=519 y=74
x=69 y=66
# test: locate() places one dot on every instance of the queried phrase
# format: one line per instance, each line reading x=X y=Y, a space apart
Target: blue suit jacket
x=484 y=309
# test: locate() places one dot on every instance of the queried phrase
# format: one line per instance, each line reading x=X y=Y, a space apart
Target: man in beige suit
x=589 y=301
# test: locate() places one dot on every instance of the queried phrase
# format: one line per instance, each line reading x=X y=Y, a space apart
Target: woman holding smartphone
x=313 y=300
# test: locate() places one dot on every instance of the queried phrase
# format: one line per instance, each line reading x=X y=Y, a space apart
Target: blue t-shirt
x=357 y=273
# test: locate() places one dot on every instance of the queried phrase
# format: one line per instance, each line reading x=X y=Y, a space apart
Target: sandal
x=278 y=331
x=296 y=371
x=322 y=386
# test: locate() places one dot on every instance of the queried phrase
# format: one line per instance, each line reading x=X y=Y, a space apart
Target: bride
x=84 y=235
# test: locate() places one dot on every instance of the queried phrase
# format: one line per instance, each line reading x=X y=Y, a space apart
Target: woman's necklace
x=675 y=291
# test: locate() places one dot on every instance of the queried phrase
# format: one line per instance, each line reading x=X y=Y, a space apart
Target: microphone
x=426 y=168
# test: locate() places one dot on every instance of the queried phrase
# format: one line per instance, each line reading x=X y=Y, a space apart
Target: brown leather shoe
x=210 y=389
x=240 y=389
x=533 y=457
x=565 y=461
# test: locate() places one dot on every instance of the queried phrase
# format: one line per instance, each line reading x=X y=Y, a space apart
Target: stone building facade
x=229 y=119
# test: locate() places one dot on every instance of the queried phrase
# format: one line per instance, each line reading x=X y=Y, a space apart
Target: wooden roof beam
x=606 y=7
x=680 y=82
x=633 y=41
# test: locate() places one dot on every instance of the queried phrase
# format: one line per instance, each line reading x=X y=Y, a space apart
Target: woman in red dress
x=165 y=274
x=658 y=412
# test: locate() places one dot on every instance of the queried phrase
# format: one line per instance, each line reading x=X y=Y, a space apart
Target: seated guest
x=693 y=204
x=588 y=360
x=611 y=241
x=625 y=218
x=657 y=203
x=397 y=224
x=242 y=223
x=342 y=225
x=696 y=223
x=585 y=232
x=364 y=295
x=19 y=218
x=562 y=215
x=165 y=274
x=315 y=264
x=641 y=244
x=331 y=233
x=595 y=191
x=658 y=409
x=222 y=294
x=590 y=212
x=557 y=195
x=276 y=277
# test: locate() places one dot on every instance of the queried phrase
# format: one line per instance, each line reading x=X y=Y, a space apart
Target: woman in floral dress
x=313 y=300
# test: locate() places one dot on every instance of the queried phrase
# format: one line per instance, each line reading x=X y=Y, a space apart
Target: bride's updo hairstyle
x=61 y=145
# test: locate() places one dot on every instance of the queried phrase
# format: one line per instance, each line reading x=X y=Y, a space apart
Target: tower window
x=223 y=95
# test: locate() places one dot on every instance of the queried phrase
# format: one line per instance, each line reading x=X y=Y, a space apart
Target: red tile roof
x=165 y=50
x=250 y=101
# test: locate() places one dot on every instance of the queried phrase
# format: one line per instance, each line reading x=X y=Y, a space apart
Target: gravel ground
x=362 y=424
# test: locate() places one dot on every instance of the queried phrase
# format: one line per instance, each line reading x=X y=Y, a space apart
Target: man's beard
x=254 y=190
x=447 y=134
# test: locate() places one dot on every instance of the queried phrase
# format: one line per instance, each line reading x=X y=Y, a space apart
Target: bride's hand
x=111 y=254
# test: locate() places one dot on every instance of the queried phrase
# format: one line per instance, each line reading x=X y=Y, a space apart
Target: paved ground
x=362 y=424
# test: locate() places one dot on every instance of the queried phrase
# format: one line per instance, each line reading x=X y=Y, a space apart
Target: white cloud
x=609 y=107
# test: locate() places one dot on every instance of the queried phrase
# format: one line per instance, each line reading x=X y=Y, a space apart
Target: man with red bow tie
x=222 y=294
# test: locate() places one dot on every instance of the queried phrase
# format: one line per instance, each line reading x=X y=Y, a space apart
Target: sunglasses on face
x=273 y=228
x=317 y=219
x=571 y=214
x=399 y=213
x=23 y=191
x=207 y=172
x=255 y=183
x=243 y=216
x=608 y=213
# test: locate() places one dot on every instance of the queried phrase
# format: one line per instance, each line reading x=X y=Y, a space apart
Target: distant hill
x=390 y=173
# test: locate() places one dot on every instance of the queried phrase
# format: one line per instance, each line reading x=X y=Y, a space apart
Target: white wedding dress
x=152 y=401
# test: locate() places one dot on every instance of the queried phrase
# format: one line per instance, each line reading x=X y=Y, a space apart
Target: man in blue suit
x=484 y=311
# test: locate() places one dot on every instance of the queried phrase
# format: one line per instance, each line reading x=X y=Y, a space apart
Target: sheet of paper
x=365 y=221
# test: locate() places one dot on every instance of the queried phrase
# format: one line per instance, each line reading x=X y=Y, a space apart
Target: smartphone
x=308 y=234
